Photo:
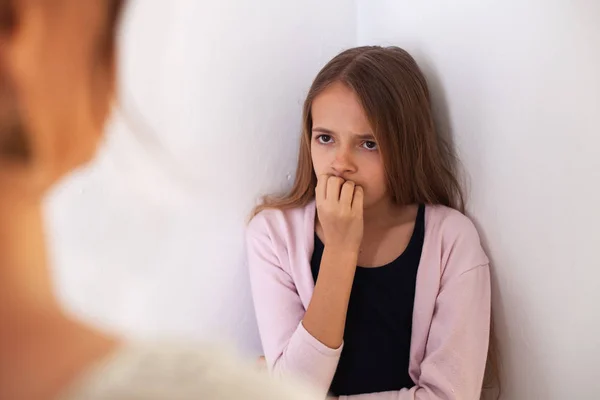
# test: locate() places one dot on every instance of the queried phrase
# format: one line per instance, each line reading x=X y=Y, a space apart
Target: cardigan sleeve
x=457 y=345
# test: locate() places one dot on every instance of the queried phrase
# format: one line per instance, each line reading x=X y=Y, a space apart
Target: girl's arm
x=307 y=343
x=308 y=349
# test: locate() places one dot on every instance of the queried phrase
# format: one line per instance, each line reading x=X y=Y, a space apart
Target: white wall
x=149 y=239
x=519 y=84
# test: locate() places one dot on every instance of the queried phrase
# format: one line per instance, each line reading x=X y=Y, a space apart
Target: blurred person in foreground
x=57 y=80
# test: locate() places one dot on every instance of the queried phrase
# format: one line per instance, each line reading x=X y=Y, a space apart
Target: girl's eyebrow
x=365 y=136
x=322 y=130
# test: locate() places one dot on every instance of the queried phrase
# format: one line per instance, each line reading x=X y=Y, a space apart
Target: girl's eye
x=370 y=145
x=324 y=139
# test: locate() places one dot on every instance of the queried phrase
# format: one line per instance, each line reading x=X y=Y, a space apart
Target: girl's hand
x=340 y=212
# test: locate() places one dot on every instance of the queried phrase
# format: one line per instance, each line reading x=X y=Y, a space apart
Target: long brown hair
x=418 y=162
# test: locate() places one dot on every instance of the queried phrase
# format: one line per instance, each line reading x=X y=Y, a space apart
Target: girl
x=368 y=280
x=56 y=85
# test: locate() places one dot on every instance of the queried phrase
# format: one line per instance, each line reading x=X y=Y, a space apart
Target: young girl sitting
x=368 y=280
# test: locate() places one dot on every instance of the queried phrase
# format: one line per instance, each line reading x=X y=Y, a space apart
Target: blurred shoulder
x=153 y=371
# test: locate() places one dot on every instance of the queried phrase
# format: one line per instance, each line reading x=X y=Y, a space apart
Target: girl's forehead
x=338 y=108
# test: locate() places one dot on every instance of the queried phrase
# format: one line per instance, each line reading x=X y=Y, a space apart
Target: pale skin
x=356 y=218
x=62 y=107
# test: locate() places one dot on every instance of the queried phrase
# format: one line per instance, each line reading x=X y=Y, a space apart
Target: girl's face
x=343 y=144
x=57 y=83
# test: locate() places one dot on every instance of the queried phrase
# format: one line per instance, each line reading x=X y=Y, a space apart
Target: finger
x=321 y=189
x=347 y=193
x=334 y=185
x=357 y=200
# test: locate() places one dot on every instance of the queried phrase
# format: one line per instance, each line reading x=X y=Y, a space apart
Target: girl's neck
x=384 y=214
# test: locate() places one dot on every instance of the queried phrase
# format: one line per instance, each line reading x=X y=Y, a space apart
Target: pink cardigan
x=451 y=317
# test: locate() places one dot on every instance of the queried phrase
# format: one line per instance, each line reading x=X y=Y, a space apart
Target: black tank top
x=376 y=352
